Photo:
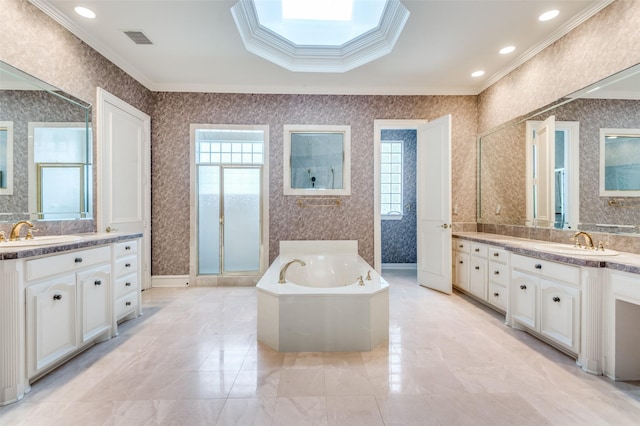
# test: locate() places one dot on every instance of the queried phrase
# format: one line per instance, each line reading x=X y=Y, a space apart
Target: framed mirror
x=620 y=162
x=46 y=151
x=317 y=160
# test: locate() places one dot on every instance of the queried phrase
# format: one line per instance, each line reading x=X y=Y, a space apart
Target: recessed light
x=507 y=49
x=548 y=15
x=83 y=11
x=477 y=73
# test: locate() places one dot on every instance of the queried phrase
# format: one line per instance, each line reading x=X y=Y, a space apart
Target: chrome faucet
x=588 y=241
x=283 y=270
x=15 y=229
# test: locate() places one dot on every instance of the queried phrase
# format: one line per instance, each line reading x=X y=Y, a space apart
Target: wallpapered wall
x=398 y=237
x=174 y=112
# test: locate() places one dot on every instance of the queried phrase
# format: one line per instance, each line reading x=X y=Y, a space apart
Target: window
x=391 y=153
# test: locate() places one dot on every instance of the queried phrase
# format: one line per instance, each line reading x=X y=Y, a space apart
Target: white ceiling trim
x=562 y=31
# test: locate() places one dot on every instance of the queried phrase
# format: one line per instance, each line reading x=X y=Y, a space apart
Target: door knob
x=110 y=229
x=444 y=225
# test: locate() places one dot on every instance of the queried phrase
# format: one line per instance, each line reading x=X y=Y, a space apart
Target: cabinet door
x=96 y=301
x=478 y=277
x=523 y=298
x=51 y=322
x=461 y=277
x=560 y=313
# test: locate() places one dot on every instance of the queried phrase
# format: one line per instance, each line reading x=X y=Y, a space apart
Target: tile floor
x=193 y=359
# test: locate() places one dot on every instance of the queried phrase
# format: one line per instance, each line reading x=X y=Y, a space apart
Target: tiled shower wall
x=398 y=237
x=174 y=112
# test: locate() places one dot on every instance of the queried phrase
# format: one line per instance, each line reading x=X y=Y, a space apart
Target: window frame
x=400 y=214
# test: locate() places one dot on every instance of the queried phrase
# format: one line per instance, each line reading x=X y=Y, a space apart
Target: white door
x=124 y=197
x=540 y=173
x=434 y=204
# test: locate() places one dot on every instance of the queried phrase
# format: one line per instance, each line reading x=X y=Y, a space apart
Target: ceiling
x=196 y=46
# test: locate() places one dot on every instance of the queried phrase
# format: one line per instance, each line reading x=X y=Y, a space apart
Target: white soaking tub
x=322 y=306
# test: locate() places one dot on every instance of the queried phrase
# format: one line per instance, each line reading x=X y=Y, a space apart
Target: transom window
x=227 y=146
x=391 y=153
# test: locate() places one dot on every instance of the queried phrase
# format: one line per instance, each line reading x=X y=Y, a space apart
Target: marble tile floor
x=193 y=359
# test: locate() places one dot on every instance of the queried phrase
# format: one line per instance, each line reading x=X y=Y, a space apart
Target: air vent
x=138 y=37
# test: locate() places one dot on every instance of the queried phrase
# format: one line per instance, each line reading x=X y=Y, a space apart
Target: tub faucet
x=588 y=241
x=15 y=229
x=283 y=270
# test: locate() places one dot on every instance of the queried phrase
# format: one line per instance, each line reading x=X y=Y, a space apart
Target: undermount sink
x=573 y=250
x=41 y=241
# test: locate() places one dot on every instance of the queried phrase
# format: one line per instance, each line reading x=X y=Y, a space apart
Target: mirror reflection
x=317 y=160
x=620 y=162
x=512 y=189
x=45 y=151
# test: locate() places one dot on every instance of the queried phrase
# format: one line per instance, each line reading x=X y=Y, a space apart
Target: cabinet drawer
x=498 y=273
x=556 y=271
x=126 y=248
x=126 y=284
x=126 y=304
x=461 y=245
x=126 y=265
x=479 y=250
x=497 y=296
x=67 y=262
x=497 y=254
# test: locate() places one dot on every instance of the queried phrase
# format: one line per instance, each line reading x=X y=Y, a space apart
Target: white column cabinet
x=524 y=291
x=461 y=264
x=478 y=271
x=95 y=294
x=498 y=275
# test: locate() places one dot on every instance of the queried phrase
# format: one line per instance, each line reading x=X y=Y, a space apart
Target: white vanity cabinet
x=68 y=303
x=461 y=264
x=127 y=279
x=478 y=271
x=545 y=298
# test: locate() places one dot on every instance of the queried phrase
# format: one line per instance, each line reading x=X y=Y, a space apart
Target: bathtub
x=322 y=307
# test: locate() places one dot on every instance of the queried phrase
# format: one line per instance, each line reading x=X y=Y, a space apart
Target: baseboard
x=169 y=280
x=400 y=266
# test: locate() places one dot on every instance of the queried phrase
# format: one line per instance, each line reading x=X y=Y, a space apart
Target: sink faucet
x=588 y=241
x=15 y=229
x=283 y=270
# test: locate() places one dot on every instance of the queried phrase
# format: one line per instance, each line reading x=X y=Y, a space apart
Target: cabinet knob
x=496 y=272
x=127 y=284
x=477 y=250
x=461 y=262
x=496 y=254
x=57 y=297
x=128 y=304
x=78 y=260
x=97 y=282
x=461 y=246
x=523 y=287
x=556 y=299
x=127 y=247
x=477 y=268
x=538 y=266
x=496 y=294
x=127 y=265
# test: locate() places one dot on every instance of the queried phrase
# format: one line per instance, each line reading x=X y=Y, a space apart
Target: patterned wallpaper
x=398 y=237
x=174 y=112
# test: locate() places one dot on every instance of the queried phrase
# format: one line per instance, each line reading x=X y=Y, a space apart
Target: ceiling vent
x=138 y=37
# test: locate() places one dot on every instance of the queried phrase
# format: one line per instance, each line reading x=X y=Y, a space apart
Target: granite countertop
x=84 y=241
x=627 y=262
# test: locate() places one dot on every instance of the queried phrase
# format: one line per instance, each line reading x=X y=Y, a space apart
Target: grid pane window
x=224 y=146
x=391 y=177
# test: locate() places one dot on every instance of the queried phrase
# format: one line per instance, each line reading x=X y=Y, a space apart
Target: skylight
x=320 y=35
x=317 y=10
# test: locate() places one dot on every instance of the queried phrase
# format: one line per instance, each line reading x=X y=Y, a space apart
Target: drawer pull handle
x=496 y=254
x=461 y=246
x=97 y=282
x=477 y=250
x=127 y=247
x=127 y=284
x=538 y=266
x=496 y=272
x=78 y=260
x=128 y=304
x=496 y=294
x=57 y=297
x=127 y=265
x=477 y=268
x=556 y=299
x=461 y=262
x=523 y=287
